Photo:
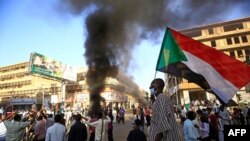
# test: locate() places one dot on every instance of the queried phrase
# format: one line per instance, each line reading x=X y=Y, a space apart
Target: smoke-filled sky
x=133 y=28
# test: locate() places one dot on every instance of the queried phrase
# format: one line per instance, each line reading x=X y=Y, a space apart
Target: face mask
x=153 y=91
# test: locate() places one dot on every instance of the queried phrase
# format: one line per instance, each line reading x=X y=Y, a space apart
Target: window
x=247 y=51
x=213 y=43
x=239 y=52
x=233 y=27
x=231 y=53
x=210 y=31
x=244 y=39
x=236 y=40
x=248 y=60
x=229 y=41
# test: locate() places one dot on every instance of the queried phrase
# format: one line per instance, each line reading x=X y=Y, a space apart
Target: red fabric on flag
x=231 y=69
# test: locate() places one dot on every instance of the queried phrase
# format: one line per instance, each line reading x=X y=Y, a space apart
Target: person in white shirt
x=183 y=113
x=225 y=116
x=220 y=129
x=3 y=129
x=101 y=125
x=68 y=115
x=1 y=110
x=245 y=110
x=56 y=132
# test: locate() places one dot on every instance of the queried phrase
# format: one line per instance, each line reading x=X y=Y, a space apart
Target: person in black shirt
x=136 y=134
x=110 y=126
x=78 y=131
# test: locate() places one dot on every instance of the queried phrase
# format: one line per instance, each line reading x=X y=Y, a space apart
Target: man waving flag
x=207 y=67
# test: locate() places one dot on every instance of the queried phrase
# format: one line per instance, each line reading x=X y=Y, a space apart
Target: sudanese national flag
x=207 y=67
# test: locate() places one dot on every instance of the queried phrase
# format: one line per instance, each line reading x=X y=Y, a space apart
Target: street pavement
x=121 y=131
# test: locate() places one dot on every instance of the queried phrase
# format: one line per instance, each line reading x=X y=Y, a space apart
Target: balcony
x=188 y=86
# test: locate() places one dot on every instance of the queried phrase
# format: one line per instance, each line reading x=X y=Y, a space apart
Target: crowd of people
x=39 y=125
x=203 y=121
x=156 y=122
x=208 y=124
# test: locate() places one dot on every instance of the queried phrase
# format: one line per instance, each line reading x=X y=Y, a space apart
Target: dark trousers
x=206 y=139
x=39 y=140
x=121 y=119
x=92 y=137
x=110 y=134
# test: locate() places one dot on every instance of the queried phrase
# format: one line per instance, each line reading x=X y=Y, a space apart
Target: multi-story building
x=119 y=91
x=232 y=38
x=20 y=88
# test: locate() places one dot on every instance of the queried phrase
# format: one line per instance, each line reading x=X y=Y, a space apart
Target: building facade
x=21 y=89
x=119 y=91
x=232 y=38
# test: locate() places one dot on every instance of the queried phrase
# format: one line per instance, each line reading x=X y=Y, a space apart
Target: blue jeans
x=2 y=138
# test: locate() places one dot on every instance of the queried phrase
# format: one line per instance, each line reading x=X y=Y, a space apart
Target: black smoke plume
x=115 y=26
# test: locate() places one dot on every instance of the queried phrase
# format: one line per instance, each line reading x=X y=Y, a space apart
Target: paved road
x=120 y=131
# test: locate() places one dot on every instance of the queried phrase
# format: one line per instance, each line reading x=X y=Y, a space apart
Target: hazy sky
x=35 y=26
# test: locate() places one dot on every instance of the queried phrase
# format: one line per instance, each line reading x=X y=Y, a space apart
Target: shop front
x=22 y=103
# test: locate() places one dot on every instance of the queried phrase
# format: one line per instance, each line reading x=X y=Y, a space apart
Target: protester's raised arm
x=4 y=117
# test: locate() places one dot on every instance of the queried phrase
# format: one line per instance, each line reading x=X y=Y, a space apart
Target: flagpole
x=176 y=85
x=155 y=74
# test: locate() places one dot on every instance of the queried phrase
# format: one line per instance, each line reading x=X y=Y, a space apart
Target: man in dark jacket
x=78 y=131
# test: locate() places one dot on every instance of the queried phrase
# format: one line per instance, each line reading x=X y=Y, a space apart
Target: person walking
x=121 y=115
x=141 y=117
x=110 y=126
x=163 y=126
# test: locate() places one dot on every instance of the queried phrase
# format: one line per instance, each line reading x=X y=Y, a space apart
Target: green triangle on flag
x=170 y=52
